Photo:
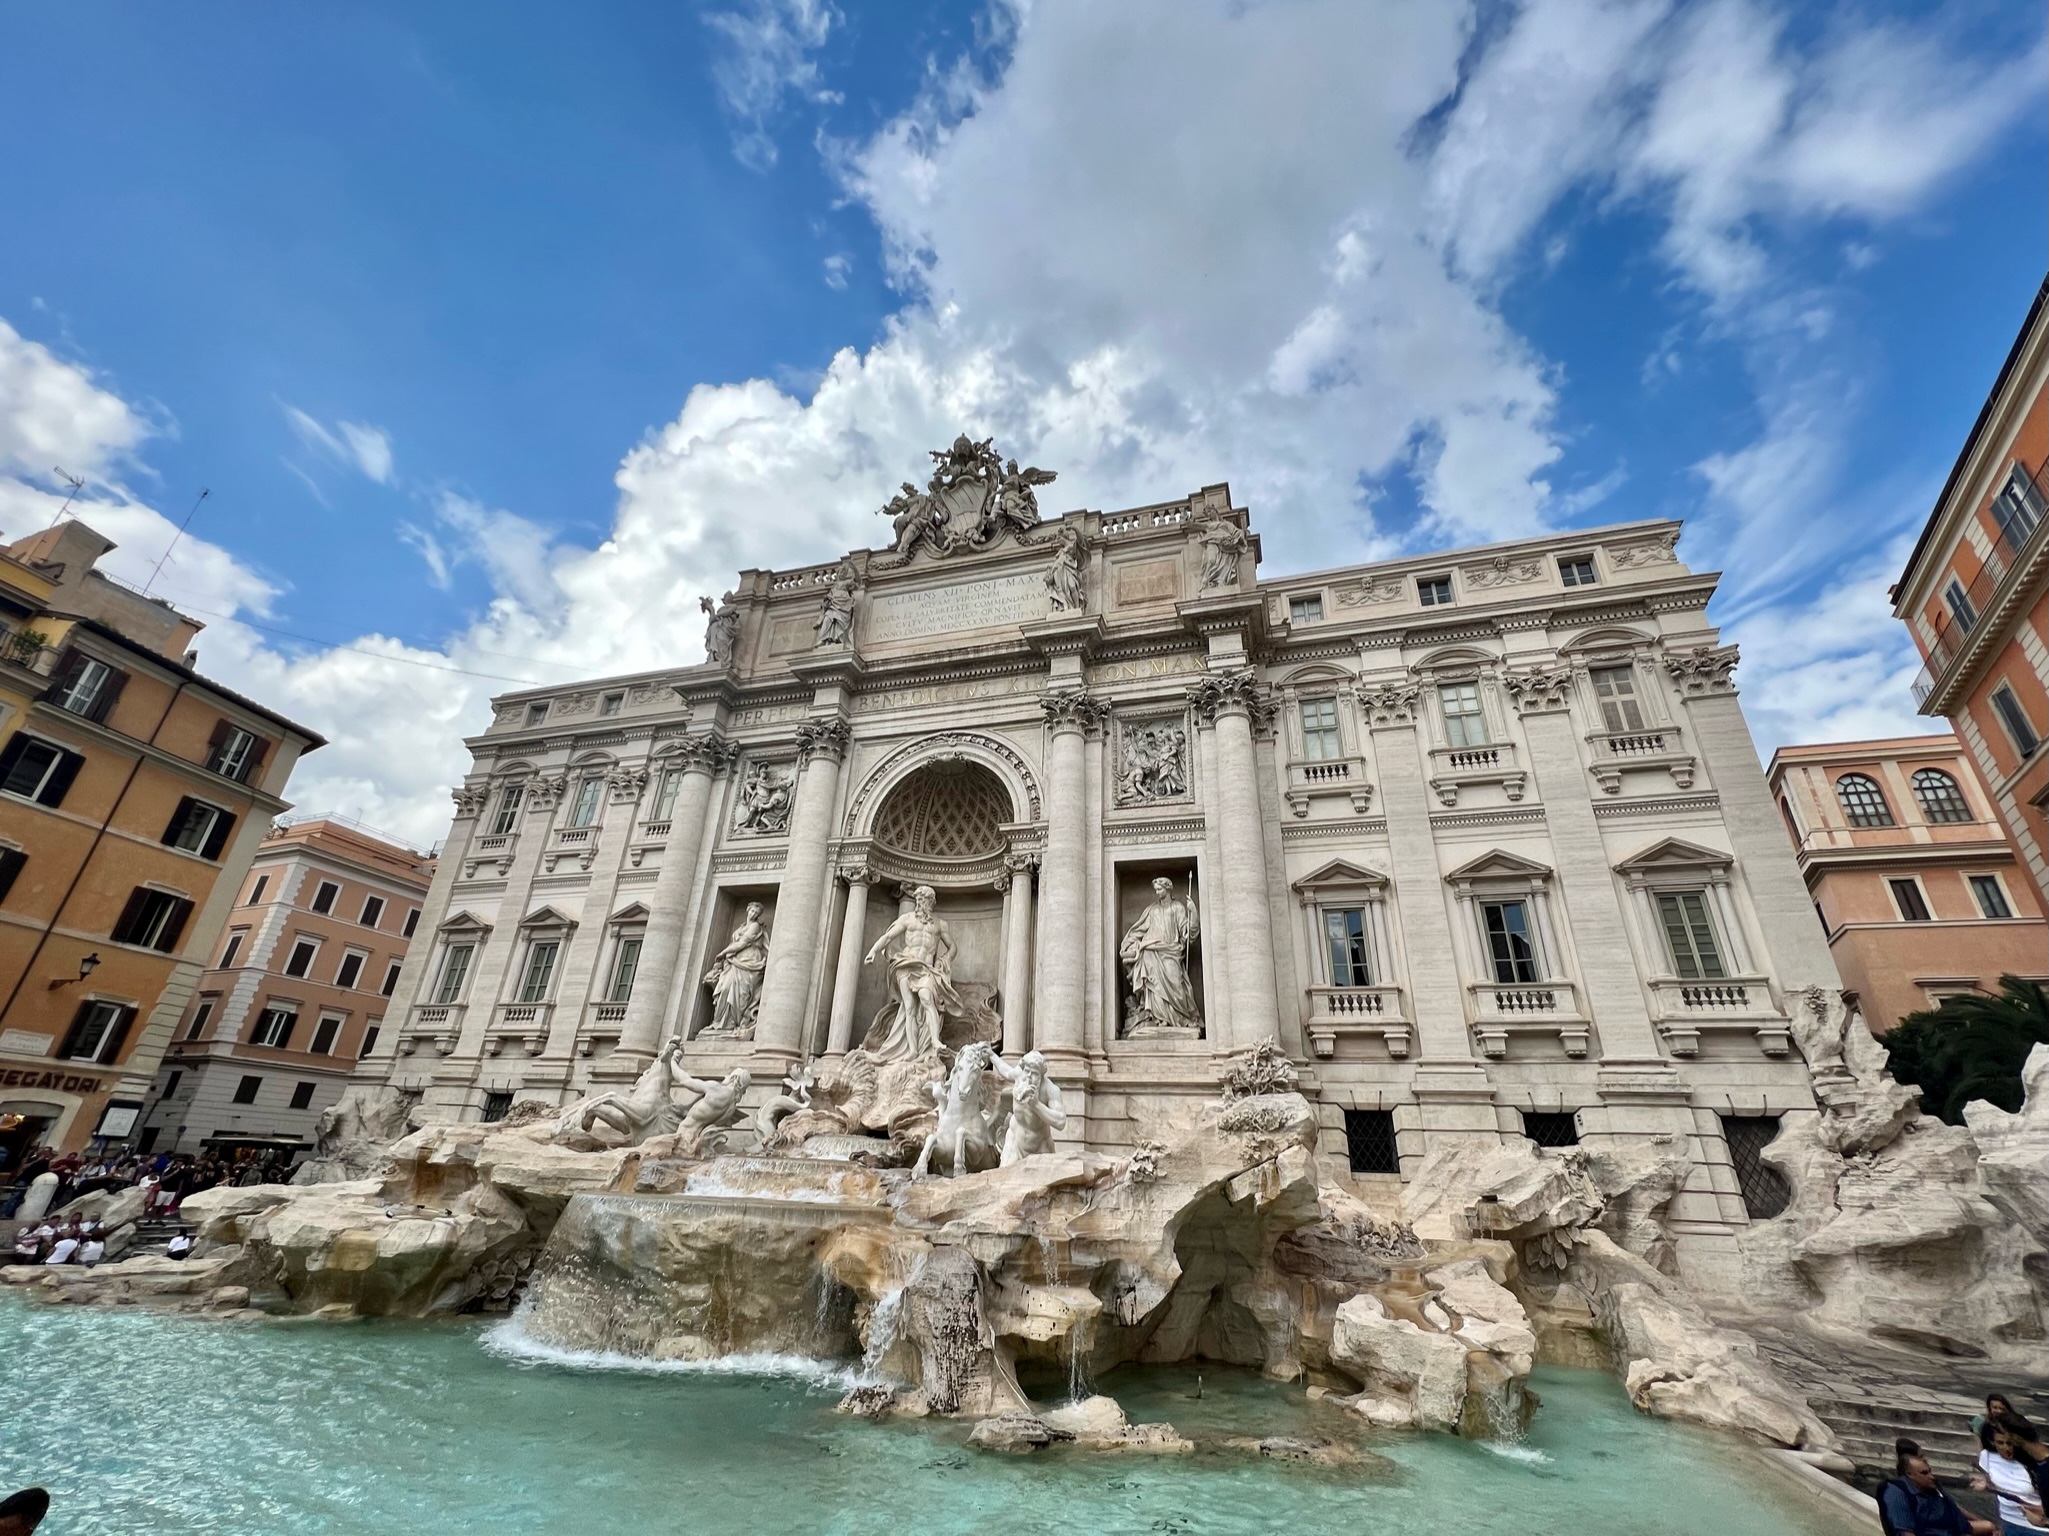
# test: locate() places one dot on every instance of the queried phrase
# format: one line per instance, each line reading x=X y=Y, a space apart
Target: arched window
x=1941 y=798
x=1863 y=801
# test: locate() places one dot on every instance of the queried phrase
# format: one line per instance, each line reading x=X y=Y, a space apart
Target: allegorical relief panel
x=763 y=804
x=1152 y=761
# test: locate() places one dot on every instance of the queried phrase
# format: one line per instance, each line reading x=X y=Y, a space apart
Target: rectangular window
x=665 y=796
x=302 y=957
x=1615 y=687
x=497 y=1106
x=1369 y=1141
x=1465 y=723
x=1960 y=605
x=234 y=949
x=246 y=1090
x=11 y=861
x=1510 y=947
x=455 y=970
x=153 y=919
x=323 y=897
x=1765 y=1191
x=256 y=891
x=85 y=687
x=373 y=911
x=98 y=1031
x=540 y=970
x=537 y=714
x=171 y=1084
x=1690 y=936
x=2015 y=719
x=624 y=963
x=391 y=978
x=585 y=809
x=234 y=753
x=274 y=1026
x=2017 y=508
x=1344 y=940
x=201 y=1017
x=324 y=1035
x=302 y=1095
x=370 y=1037
x=1305 y=610
x=1906 y=895
x=1991 y=896
x=197 y=827
x=1551 y=1129
x=1320 y=730
x=611 y=704
x=350 y=971
x=1433 y=591
x=412 y=922
x=37 y=770
x=1576 y=570
x=507 y=815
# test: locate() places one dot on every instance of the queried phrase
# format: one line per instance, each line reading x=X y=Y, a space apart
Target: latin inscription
x=968 y=605
x=1148 y=581
x=792 y=634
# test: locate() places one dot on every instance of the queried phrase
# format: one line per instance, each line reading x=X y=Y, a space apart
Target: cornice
x=1655 y=805
x=1516 y=816
x=1357 y=827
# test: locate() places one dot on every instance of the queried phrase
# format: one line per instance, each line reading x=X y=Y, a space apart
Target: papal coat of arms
x=971 y=500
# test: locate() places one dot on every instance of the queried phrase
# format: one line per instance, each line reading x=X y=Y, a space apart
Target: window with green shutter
x=1690 y=936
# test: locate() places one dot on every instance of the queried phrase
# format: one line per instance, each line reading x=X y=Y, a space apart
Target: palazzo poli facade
x=1481 y=838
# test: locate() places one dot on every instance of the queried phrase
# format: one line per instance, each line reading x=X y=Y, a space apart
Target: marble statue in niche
x=1064 y=584
x=735 y=978
x=765 y=795
x=835 y=624
x=1155 y=953
x=1223 y=541
x=721 y=631
x=921 y=972
x=1155 y=764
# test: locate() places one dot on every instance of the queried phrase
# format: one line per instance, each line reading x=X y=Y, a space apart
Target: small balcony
x=489 y=851
x=1344 y=776
x=1456 y=768
x=435 y=1024
x=1358 y=1013
x=1737 y=1004
x=1617 y=752
x=602 y=1025
x=1544 y=1008
x=578 y=843
x=524 y=1025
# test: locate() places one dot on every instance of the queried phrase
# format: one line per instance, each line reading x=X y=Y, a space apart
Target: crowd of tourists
x=2013 y=1467
x=165 y=1179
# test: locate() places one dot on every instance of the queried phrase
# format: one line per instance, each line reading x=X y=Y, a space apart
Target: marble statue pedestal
x=1163 y=1032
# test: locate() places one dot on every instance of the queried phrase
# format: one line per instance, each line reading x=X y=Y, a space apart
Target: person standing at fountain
x=735 y=976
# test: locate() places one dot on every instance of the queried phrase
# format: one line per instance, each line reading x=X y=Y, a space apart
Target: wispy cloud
x=355 y=444
x=769 y=53
x=837 y=266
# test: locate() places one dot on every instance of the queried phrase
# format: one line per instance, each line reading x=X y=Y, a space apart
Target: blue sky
x=499 y=332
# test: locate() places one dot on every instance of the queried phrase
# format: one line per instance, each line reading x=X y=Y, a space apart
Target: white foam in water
x=1526 y=1454
x=510 y=1340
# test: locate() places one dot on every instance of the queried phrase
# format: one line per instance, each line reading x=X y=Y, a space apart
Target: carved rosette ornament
x=1236 y=693
x=1538 y=690
x=470 y=800
x=1703 y=670
x=1075 y=710
x=1390 y=703
x=828 y=739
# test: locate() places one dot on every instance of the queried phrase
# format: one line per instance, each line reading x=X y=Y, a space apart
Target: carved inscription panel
x=1148 y=581
x=965 y=605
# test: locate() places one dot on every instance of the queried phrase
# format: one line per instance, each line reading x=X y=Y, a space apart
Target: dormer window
x=1305 y=610
x=537 y=714
x=1433 y=591
x=1576 y=570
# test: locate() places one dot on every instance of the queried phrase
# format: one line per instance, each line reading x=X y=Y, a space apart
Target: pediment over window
x=1317 y=675
x=1606 y=638
x=635 y=912
x=1674 y=853
x=464 y=921
x=547 y=917
x=1455 y=658
x=1499 y=864
x=1337 y=877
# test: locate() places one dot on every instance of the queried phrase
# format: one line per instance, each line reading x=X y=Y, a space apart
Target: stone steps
x=1938 y=1421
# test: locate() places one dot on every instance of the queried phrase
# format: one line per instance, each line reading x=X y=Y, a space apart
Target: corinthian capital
x=1232 y=693
x=705 y=754
x=1075 y=710
x=1703 y=670
x=470 y=800
x=823 y=738
x=1537 y=690
x=1389 y=703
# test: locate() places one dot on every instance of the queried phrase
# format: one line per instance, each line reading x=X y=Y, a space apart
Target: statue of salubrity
x=1155 y=953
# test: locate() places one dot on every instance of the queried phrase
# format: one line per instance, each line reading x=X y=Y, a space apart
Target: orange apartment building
x=1910 y=869
x=294 y=992
x=133 y=795
x=1975 y=595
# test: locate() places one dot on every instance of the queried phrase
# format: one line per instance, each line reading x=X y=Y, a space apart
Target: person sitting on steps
x=1913 y=1503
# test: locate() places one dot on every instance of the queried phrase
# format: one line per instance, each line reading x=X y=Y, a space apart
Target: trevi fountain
x=1268 y=1098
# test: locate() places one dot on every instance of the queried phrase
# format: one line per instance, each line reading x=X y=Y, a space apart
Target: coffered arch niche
x=998 y=758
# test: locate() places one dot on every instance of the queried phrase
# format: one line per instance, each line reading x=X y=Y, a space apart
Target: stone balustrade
x=1337 y=1013
x=1333 y=776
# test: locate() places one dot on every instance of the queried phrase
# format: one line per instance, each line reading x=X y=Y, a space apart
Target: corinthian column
x=701 y=758
x=1226 y=704
x=846 y=979
x=793 y=945
x=1063 y=883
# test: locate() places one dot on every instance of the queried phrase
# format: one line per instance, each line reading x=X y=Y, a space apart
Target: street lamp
x=86 y=967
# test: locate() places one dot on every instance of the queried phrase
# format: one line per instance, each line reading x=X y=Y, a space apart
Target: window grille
x=1941 y=798
x=1369 y=1141
x=1863 y=801
x=1765 y=1190
x=1550 y=1129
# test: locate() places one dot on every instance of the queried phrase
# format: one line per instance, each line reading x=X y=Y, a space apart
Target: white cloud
x=769 y=54
x=53 y=414
x=837 y=266
x=356 y=444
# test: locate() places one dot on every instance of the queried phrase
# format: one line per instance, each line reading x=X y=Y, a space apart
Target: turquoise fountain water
x=146 y=1423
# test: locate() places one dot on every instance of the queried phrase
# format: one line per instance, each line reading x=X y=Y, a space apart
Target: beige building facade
x=1480 y=838
x=1912 y=874
x=295 y=993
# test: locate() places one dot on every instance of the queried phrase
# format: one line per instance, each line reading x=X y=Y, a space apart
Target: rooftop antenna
x=76 y=485
x=174 y=542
